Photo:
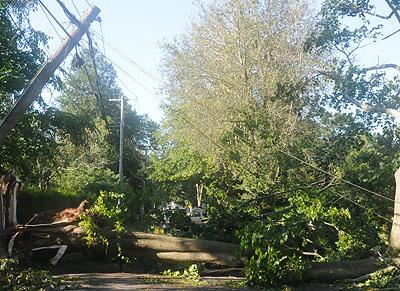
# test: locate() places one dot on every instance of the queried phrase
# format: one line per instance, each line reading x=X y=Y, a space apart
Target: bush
x=284 y=242
x=13 y=277
x=104 y=219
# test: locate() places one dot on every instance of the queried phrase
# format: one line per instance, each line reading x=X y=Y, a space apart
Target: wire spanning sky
x=135 y=27
x=139 y=27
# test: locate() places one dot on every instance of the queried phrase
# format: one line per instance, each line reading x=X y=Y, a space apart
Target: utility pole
x=43 y=75
x=121 y=139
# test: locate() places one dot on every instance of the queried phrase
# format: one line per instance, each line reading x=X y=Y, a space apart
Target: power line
x=219 y=146
x=364 y=207
x=131 y=77
x=87 y=2
x=55 y=19
x=102 y=35
x=76 y=8
x=131 y=92
x=132 y=62
x=280 y=150
x=51 y=23
x=336 y=177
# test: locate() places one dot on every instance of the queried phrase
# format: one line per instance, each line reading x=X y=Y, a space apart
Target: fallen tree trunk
x=135 y=244
x=336 y=271
x=61 y=231
x=152 y=247
x=343 y=270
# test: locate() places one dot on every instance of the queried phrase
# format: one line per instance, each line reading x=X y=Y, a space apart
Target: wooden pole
x=37 y=83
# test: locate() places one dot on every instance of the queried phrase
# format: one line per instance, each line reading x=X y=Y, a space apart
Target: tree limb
x=394 y=10
x=381 y=16
x=381 y=67
x=375 y=108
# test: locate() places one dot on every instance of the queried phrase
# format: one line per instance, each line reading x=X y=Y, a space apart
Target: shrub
x=285 y=241
x=106 y=219
x=13 y=277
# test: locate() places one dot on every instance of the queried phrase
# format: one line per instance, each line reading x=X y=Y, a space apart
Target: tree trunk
x=135 y=244
x=199 y=194
x=9 y=187
x=395 y=232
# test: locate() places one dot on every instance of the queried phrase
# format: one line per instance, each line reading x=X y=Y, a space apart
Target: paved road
x=128 y=281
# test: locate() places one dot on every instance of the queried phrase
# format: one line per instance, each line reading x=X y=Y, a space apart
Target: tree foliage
x=258 y=89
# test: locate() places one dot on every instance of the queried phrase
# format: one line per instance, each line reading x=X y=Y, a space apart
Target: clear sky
x=138 y=27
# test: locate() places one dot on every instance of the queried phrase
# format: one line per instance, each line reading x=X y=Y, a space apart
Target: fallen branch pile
x=52 y=234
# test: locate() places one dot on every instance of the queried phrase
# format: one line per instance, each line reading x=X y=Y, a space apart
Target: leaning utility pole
x=43 y=75
x=121 y=139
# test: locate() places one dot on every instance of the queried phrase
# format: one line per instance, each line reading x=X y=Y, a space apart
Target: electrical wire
x=136 y=98
x=97 y=80
x=129 y=60
x=55 y=19
x=280 y=150
x=102 y=35
x=336 y=177
x=290 y=155
x=51 y=23
x=246 y=141
x=87 y=2
x=76 y=8
x=363 y=207
x=219 y=146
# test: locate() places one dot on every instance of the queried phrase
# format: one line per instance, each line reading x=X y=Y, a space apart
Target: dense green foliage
x=106 y=219
x=249 y=89
x=271 y=121
x=14 y=277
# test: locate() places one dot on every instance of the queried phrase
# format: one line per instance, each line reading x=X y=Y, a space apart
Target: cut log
x=152 y=247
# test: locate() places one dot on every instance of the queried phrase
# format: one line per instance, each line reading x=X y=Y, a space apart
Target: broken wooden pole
x=43 y=75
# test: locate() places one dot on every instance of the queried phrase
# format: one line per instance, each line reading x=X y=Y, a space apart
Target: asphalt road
x=129 y=281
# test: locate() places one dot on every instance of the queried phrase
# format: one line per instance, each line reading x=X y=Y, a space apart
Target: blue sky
x=138 y=27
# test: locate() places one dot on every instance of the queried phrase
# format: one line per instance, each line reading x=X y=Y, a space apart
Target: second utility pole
x=121 y=139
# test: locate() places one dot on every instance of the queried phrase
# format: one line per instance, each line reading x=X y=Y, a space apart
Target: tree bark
x=395 y=232
x=136 y=244
x=199 y=194
x=336 y=271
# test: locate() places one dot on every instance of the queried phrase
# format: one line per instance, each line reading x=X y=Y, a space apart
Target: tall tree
x=86 y=95
x=369 y=91
x=247 y=89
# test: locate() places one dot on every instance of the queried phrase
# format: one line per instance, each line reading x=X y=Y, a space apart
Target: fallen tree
x=52 y=234
x=134 y=244
x=153 y=247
